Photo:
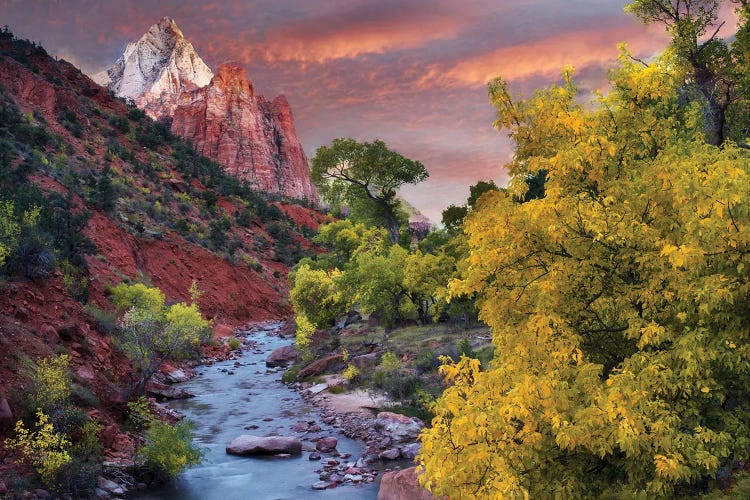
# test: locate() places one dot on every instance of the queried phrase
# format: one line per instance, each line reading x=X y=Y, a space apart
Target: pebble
x=320 y=485
x=314 y=456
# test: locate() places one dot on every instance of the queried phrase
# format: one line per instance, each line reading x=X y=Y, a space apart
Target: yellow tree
x=618 y=303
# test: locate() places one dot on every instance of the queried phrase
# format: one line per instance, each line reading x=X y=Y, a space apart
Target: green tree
x=365 y=176
x=105 y=194
x=453 y=217
x=717 y=72
x=477 y=190
x=618 y=304
x=151 y=333
x=425 y=281
x=316 y=294
x=374 y=279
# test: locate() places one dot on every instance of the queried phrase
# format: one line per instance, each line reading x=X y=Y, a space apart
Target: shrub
x=105 y=321
x=290 y=375
x=120 y=123
x=151 y=333
x=45 y=449
x=169 y=449
x=75 y=280
x=234 y=343
x=350 y=373
x=139 y=414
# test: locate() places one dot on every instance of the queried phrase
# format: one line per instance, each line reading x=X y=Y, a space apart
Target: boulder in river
x=402 y=485
x=282 y=356
x=246 y=444
x=167 y=392
x=326 y=444
x=399 y=428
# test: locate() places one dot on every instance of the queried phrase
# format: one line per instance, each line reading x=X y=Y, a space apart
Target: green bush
x=234 y=343
x=139 y=414
x=169 y=449
x=290 y=375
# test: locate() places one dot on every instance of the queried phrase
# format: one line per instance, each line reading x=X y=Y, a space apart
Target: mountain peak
x=168 y=24
x=158 y=67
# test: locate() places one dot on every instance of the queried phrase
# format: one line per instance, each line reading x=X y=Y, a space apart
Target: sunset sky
x=410 y=72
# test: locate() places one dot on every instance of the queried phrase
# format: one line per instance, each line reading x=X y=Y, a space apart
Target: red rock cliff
x=253 y=139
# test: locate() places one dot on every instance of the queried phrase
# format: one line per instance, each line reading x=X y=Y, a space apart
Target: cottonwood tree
x=365 y=176
x=618 y=304
x=717 y=71
x=151 y=333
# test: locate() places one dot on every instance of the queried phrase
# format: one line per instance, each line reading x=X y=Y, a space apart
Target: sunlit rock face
x=156 y=69
x=252 y=138
x=221 y=114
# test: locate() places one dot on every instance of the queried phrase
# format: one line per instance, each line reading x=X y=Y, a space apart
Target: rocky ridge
x=252 y=138
x=156 y=69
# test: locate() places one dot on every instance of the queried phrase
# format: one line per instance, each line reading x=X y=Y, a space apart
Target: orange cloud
x=298 y=43
x=546 y=57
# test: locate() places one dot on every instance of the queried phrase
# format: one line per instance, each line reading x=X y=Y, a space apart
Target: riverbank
x=243 y=396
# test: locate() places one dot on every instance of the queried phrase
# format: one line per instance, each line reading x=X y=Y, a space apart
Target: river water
x=223 y=406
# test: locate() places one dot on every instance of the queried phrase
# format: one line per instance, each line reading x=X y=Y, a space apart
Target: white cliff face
x=154 y=70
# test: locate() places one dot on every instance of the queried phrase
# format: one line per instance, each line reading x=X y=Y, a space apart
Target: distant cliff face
x=252 y=138
x=154 y=70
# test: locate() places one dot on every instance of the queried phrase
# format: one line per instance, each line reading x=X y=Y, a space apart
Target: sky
x=410 y=72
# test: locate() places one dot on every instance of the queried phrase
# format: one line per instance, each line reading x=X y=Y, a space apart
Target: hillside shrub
x=169 y=449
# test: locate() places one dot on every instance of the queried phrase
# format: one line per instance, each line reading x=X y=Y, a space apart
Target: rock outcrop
x=252 y=138
x=399 y=428
x=402 y=485
x=221 y=114
x=282 y=356
x=156 y=69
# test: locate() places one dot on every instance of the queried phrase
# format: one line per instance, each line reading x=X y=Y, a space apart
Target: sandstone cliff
x=253 y=139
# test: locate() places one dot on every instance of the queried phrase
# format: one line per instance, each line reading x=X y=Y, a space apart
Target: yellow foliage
x=52 y=388
x=618 y=304
x=48 y=451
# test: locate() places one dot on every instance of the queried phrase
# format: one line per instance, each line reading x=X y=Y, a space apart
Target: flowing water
x=223 y=406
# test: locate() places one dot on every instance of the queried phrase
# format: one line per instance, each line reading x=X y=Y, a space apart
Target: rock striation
x=252 y=138
x=156 y=69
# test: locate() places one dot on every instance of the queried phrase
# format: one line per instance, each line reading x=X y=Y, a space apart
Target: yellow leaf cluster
x=618 y=304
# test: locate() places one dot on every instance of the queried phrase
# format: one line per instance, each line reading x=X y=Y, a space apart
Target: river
x=224 y=404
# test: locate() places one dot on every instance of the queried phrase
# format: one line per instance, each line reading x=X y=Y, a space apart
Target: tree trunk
x=391 y=224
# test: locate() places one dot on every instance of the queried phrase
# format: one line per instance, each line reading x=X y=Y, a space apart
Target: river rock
x=390 y=454
x=167 y=392
x=399 y=428
x=402 y=485
x=326 y=444
x=366 y=360
x=317 y=388
x=319 y=366
x=282 y=356
x=410 y=451
x=176 y=375
x=314 y=456
x=109 y=486
x=255 y=445
x=320 y=485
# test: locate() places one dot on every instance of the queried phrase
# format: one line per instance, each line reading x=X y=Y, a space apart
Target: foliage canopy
x=366 y=176
x=618 y=303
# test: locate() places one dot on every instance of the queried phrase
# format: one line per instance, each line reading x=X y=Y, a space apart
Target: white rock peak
x=154 y=70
